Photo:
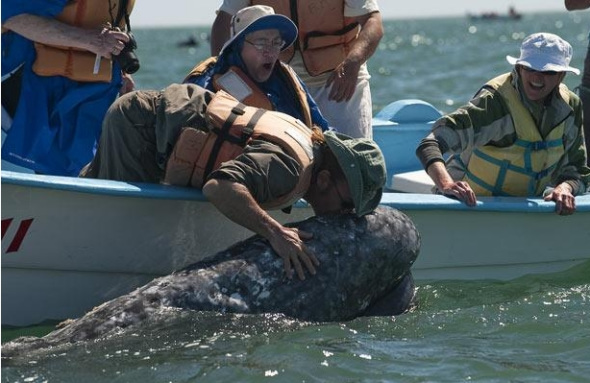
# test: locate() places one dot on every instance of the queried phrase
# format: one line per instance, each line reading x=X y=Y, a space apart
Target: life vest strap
x=249 y=128
x=491 y=188
x=223 y=135
x=505 y=164
x=539 y=145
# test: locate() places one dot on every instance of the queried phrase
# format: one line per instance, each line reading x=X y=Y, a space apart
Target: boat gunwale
x=401 y=201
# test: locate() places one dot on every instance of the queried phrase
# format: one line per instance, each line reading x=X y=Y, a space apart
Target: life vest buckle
x=239 y=110
x=246 y=134
x=539 y=145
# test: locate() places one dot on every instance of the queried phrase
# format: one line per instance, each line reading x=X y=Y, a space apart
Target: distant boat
x=494 y=16
x=191 y=41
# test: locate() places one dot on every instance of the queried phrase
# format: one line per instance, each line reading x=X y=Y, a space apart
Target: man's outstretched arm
x=235 y=201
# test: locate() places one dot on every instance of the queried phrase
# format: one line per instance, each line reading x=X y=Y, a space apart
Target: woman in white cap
x=249 y=69
x=521 y=135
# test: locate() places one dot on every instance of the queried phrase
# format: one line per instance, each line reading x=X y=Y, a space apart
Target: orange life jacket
x=73 y=63
x=324 y=33
x=240 y=85
x=232 y=125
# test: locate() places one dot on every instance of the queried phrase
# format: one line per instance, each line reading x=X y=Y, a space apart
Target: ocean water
x=533 y=329
x=442 y=61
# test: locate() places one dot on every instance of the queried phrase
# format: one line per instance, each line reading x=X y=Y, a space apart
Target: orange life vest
x=232 y=125
x=240 y=85
x=324 y=33
x=73 y=63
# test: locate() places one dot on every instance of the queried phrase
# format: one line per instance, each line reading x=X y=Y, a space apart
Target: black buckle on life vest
x=238 y=109
x=249 y=128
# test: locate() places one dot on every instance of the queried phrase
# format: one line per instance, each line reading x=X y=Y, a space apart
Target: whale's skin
x=364 y=261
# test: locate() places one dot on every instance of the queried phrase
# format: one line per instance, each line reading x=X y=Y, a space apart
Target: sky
x=202 y=12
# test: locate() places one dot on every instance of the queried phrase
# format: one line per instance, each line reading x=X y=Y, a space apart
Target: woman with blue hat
x=248 y=66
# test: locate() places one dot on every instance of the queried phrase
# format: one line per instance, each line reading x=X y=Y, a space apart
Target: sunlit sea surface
x=534 y=329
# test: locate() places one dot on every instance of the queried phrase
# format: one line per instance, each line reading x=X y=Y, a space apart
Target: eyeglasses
x=265 y=45
x=546 y=72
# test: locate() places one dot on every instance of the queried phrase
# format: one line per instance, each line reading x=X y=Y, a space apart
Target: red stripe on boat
x=20 y=235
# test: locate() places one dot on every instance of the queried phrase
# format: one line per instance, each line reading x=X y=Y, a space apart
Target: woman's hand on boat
x=565 y=202
x=460 y=190
x=449 y=187
x=288 y=243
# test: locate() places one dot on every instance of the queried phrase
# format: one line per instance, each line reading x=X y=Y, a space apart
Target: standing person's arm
x=128 y=84
x=50 y=31
x=344 y=77
x=572 y=5
x=220 y=31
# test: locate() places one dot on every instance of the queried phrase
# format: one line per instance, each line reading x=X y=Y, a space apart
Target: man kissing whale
x=366 y=264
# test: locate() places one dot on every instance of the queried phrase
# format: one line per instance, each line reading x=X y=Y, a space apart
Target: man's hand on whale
x=235 y=201
x=288 y=243
x=342 y=161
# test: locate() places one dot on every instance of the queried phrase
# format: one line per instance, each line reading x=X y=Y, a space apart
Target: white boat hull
x=69 y=244
x=501 y=238
x=88 y=241
x=82 y=230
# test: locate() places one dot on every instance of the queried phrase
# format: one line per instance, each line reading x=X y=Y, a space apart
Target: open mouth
x=536 y=85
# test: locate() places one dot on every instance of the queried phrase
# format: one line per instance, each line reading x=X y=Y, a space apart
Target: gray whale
x=364 y=270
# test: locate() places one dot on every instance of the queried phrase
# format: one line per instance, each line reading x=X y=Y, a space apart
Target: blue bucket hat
x=259 y=17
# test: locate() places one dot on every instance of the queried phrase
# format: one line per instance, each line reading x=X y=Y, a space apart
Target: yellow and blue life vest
x=525 y=167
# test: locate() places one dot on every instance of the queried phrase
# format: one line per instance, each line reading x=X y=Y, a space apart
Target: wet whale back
x=362 y=261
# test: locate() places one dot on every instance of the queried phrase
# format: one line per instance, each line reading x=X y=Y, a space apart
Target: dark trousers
x=584 y=93
x=141 y=128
